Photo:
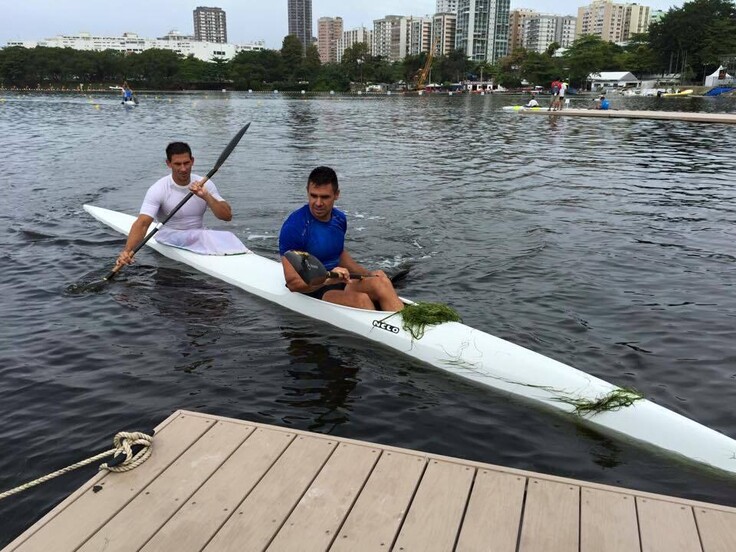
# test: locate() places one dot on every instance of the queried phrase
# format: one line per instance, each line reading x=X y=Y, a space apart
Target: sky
x=247 y=20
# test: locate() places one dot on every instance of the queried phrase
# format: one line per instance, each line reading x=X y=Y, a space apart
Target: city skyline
x=34 y=20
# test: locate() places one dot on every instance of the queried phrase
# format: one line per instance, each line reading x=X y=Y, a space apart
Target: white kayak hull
x=466 y=352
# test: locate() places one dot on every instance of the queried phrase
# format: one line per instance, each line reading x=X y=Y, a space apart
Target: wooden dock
x=219 y=484
x=693 y=117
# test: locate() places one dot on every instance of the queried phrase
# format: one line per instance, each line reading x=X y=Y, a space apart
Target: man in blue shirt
x=319 y=229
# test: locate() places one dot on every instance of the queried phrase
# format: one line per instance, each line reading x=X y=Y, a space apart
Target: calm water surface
x=605 y=244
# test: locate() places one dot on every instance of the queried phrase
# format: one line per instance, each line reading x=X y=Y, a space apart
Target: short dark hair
x=176 y=148
x=322 y=176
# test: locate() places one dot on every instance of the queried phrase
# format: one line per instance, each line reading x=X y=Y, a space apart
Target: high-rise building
x=517 y=18
x=210 y=25
x=540 y=30
x=446 y=6
x=483 y=29
x=612 y=22
x=389 y=37
x=443 y=33
x=300 y=20
x=352 y=37
x=329 y=31
x=419 y=35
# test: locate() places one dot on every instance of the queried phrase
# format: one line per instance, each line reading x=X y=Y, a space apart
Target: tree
x=589 y=54
x=292 y=53
x=696 y=36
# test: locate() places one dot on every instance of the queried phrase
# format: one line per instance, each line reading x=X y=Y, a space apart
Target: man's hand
x=125 y=258
x=198 y=189
x=340 y=273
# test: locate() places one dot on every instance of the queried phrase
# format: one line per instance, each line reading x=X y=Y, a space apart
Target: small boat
x=519 y=108
x=129 y=103
x=470 y=354
x=677 y=93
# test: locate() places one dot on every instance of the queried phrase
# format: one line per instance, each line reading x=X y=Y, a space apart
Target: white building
x=131 y=43
x=446 y=6
x=611 y=21
x=611 y=79
x=419 y=38
x=483 y=29
x=540 y=30
x=443 y=32
x=354 y=36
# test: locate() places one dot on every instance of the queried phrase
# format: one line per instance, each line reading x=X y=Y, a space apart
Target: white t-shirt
x=563 y=89
x=165 y=194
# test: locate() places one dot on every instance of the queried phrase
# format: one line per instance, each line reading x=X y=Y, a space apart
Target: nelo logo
x=384 y=326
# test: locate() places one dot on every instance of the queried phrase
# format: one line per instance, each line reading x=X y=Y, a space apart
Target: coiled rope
x=123 y=459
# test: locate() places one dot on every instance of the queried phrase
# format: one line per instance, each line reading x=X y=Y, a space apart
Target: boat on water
x=471 y=354
x=677 y=93
x=129 y=103
x=520 y=108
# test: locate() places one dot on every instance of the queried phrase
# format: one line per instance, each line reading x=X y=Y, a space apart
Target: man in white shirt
x=166 y=194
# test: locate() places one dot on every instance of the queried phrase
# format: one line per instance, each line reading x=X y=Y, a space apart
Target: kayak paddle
x=313 y=272
x=223 y=156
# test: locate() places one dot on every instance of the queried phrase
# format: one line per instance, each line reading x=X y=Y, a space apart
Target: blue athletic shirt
x=325 y=240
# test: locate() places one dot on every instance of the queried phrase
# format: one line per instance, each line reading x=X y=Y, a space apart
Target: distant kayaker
x=319 y=229
x=186 y=227
x=532 y=103
x=127 y=93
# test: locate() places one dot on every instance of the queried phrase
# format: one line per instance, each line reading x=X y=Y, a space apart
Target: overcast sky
x=247 y=20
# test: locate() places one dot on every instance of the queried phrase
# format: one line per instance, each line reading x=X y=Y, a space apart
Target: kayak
x=468 y=353
x=519 y=108
x=675 y=94
x=129 y=103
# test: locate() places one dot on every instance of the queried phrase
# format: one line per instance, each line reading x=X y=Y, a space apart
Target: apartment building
x=483 y=29
x=354 y=36
x=446 y=6
x=329 y=32
x=444 y=27
x=612 y=22
x=210 y=25
x=517 y=18
x=300 y=20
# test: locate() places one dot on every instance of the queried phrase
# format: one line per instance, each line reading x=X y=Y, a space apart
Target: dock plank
x=667 y=527
x=319 y=514
x=201 y=517
x=717 y=530
x=608 y=522
x=436 y=512
x=80 y=519
x=493 y=517
x=260 y=516
x=160 y=500
x=214 y=483
x=376 y=516
x=551 y=517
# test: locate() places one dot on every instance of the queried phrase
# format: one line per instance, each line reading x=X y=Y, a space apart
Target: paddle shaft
x=332 y=274
x=220 y=160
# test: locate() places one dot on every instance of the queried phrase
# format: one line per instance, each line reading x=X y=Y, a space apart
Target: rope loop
x=124 y=443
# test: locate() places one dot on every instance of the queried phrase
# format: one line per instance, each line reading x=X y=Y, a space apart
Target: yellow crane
x=423 y=74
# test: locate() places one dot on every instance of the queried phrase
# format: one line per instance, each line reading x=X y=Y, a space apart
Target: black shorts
x=318 y=293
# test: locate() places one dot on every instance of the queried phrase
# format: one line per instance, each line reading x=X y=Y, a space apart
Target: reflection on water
x=322 y=381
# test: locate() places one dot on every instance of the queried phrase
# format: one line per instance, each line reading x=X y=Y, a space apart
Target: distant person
x=127 y=93
x=603 y=103
x=532 y=103
x=319 y=229
x=561 y=96
x=186 y=228
x=555 y=89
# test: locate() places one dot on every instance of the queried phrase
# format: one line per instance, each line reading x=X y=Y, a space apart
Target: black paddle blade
x=91 y=283
x=309 y=267
x=227 y=151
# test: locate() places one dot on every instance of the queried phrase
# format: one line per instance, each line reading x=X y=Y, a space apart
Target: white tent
x=719 y=78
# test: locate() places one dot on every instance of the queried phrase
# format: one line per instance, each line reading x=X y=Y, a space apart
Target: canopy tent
x=719 y=77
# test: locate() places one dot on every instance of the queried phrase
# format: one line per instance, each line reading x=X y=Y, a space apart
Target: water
x=605 y=244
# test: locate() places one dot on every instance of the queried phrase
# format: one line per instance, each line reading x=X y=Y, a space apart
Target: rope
x=123 y=442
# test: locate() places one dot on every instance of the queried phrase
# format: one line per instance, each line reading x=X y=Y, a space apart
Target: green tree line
x=692 y=40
